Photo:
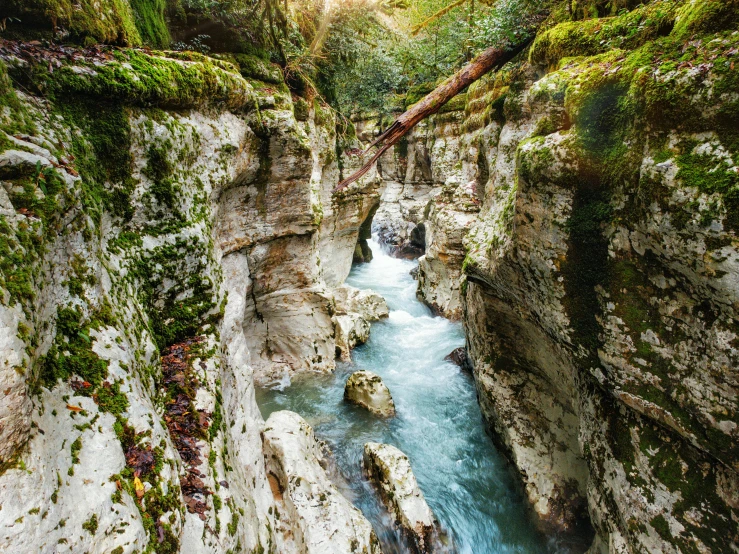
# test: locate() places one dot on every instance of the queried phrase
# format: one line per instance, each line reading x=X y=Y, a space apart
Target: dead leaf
x=74 y=408
x=138 y=486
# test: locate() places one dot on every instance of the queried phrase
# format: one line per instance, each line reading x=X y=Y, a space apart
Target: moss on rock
x=594 y=36
x=150 y=22
x=163 y=79
x=108 y=21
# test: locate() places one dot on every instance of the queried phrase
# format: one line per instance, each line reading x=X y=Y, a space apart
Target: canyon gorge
x=175 y=258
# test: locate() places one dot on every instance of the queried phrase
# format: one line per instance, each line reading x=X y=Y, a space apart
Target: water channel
x=467 y=483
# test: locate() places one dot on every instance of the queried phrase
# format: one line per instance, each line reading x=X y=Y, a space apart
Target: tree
x=489 y=59
x=516 y=23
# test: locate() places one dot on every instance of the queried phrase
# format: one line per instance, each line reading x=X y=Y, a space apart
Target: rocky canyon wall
x=170 y=236
x=584 y=223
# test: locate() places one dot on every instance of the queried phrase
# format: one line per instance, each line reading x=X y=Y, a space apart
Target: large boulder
x=368 y=304
x=390 y=471
x=314 y=512
x=354 y=309
x=366 y=389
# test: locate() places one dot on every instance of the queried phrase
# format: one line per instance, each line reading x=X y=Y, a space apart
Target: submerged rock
x=390 y=471
x=313 y=511
x=366 y=389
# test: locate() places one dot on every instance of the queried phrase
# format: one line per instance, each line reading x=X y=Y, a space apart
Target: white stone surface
x=310 y=507
x=390 y=471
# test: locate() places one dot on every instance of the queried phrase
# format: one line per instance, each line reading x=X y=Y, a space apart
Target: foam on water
x=438 y=425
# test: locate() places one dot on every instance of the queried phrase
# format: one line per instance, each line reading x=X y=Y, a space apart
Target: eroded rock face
x=355 y=309
x=600 y=305
x=154 y=227
x=367 y=390
x=316 y=515
x=430 y=201
x=594 y=264
x=390 y=471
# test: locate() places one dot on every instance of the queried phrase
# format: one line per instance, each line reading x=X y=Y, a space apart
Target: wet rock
x=354 y=310
x=319 y=518
x=362 y=252
x=459 y=357
x=390 y=471
x=418 y=236
x=351 y=330
x=368 y=304
x=366 y=389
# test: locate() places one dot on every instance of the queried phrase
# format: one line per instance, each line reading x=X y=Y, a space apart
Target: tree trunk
x=492 y=58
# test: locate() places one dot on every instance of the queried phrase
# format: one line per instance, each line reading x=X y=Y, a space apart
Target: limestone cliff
x=169 y=234
x=600 y=277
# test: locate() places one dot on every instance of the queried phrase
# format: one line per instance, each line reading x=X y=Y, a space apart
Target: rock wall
x=599 y=283
x=430 y=201
x=169 y=236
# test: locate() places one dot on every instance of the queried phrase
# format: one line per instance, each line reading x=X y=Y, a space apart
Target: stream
x=467 y=483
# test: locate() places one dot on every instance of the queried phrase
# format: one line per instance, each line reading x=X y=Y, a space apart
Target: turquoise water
x=438 y=425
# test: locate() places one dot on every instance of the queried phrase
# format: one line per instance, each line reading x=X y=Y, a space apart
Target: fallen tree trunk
x=492 y=58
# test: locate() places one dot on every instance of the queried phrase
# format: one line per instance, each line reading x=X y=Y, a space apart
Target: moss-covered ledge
x=110 y=21
x=594 y=36
x=172 y=80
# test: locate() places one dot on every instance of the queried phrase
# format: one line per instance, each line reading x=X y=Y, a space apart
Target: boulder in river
x=390 y=471
x=366 y=389
x=459 y=357
x=354 y=309
x=311 y=510
x=366 y=303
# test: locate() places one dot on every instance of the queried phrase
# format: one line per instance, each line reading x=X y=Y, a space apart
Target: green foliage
x=359 y=71
x=103 y=156
x=23 y=244
x=14 y=117
x=706 y=16
x=110 y=399
x=75 y=450
x=187 y=305
x=159 y=170
x=587 y=38
x=142 y=79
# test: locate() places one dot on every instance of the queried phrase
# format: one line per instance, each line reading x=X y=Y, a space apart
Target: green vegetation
x=91 y=525
x=87 y=21
x=149 y=16
x=594 y=36
x=137 y=78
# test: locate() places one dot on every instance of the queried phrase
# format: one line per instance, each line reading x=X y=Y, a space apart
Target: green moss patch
x=169 y=80
x=71 y=353
x=109 y=21
x=594 y=36
x=150 y=22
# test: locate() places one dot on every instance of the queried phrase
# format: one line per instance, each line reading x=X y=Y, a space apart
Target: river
x=467 y=483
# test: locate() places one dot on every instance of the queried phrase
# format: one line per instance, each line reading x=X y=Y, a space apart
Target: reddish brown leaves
x=186 y=425
x=78 y=385
x=141 y=460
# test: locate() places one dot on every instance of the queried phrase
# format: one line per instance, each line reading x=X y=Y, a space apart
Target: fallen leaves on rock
x=187 y=426
x=141 y=460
